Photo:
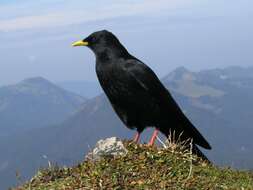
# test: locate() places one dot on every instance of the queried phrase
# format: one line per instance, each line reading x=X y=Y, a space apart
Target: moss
x=142 y=168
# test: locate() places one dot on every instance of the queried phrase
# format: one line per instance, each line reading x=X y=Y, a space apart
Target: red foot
x=137 y=137
x=153 y=138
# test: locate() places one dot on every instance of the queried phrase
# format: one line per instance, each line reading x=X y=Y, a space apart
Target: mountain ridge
x=35 y=102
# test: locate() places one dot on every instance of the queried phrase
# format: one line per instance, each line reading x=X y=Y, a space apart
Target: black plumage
x=135 y=92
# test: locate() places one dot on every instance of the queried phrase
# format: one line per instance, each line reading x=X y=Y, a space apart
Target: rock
x=107 y=147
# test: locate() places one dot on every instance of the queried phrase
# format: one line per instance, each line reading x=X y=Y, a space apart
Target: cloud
x=65 y=15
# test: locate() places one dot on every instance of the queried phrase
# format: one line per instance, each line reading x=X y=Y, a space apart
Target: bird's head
x=102 y=41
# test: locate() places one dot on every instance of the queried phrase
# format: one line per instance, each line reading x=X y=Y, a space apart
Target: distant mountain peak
x=189 y=84
x=181 y=69
x=39 y=98
x=178 y=74
x=38 y=78
x=37 y=81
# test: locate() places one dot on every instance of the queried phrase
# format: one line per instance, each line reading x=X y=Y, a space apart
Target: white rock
x=107 y=147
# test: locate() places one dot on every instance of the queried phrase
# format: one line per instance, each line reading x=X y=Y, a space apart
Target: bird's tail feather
x=199 y=153
x=195 y=134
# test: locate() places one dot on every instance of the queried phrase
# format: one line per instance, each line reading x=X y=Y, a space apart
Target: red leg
x=153 y=138
x=137 y=137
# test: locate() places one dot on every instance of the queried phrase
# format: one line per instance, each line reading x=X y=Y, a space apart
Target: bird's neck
x=110 y=55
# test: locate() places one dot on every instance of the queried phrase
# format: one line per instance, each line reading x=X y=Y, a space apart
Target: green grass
x=142 y=168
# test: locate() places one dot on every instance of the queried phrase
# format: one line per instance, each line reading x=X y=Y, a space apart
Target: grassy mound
x=142 y=168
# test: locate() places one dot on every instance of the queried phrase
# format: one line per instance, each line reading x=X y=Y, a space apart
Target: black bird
x=136 y=93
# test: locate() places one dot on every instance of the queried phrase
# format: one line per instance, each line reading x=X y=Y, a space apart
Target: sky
x=36 y=36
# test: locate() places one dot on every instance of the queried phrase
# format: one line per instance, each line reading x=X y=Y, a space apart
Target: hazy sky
x=36 y=36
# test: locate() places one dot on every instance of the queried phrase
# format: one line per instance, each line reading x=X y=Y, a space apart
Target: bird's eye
x=93 y=39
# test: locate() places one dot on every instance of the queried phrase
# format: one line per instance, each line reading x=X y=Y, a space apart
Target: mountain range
x=219 y=102
x=34 y=103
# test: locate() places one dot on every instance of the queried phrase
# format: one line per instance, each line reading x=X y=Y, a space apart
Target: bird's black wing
x=149 y=82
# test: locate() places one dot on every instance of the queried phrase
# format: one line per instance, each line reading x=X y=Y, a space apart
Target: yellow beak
x=80 y=43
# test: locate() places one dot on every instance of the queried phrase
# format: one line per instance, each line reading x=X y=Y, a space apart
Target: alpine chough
x=136 y=94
